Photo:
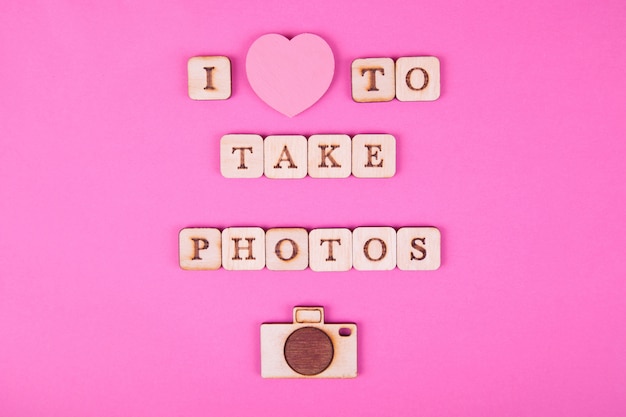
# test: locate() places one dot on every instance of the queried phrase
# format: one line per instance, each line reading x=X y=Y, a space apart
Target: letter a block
x=373 y=80
x=285 y=156
x=419 y=248
x=418 y=78
x=243 y=248
x=287 y=249
x=374 y=248
x=200 y=248
x=241 y=156
x=330 y=249
x=374 y=156
x=209 y=78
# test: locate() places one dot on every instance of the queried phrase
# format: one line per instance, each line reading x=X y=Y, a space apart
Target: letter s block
x=419 y=248
x=418 y=78
x=200 y=248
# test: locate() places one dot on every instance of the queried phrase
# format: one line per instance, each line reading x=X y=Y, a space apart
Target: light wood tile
x=241 y=156
x=374 y=248
x=209 y=78
x=285 y=156
x=243 y=248
x=200 y=248
x=373 y=79
x=330 y=249
x=330 y=156
x=419 y=248
x=373 y=156
x=309 y=349
x=286 y=249
x=418 y=78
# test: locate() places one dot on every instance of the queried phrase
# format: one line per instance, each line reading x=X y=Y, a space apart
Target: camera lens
x=308 y=351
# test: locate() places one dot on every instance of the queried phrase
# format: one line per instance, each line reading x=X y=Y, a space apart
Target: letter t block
x=241 y=156
x=373 y=79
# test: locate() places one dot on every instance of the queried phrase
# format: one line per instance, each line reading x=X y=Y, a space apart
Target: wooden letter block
x=374 y=248
x=330 y=156
x=373 y=79
x=419 y=248
x=286 y=249
x=241 y=156
x=285 y=156
x=374 y=156
x=330 y=249
x=209 y=77
x=200 y=248
x=243 y=248
x=418 y=78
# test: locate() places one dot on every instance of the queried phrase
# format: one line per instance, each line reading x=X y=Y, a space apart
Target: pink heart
x=290 y=75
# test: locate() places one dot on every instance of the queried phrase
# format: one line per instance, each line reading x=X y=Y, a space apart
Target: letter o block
x=286 y=249
x=200 y=248
x=374 y=248
x=418 y=78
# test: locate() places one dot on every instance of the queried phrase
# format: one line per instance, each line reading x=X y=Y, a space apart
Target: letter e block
x=200 y=248
x=209 y=77
x=286 y=249
x=241 y=156
x=285 y=156
x=418 y=78
x=374 y=156
x=243 y=248
x=374 y=248
x=373 y=79
x=330 y=249
x=419 y=248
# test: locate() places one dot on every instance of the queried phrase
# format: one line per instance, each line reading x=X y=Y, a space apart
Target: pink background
x=520 y=163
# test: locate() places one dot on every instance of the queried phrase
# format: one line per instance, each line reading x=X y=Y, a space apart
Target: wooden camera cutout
x=308 y=347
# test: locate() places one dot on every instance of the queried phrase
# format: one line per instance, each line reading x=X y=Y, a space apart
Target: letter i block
x=209 y=78
x=241 y=156
x=374 y=248
x=243 y=248
x=418 y=78
x=373 y=79
x=330 y=249
x=200 y=248
x=419 y=248
x=330 y=156
x=374 y=156
x=286 y=249
x=285 y=156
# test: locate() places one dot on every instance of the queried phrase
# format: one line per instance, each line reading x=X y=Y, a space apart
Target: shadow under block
x=373 y=80
x=243 y=248
x=419 y=248
x=330 y=156
x=209 y=78
x=285 y=156
x=418 y=78
x=287 y=249
x=374 y=248
x=241 y=156
x=200 y=248
x=330 y=249
x=373 y=156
